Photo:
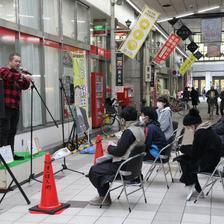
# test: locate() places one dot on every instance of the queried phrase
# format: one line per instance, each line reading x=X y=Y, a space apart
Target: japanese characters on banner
x=119 y=69
x=187 y=64
x=168 y=47
x=139 y=32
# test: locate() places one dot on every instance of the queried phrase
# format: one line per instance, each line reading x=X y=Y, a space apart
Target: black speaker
x=183 y=32
x=198 y=55
x=2 y=103
x=173 y=21
x=192 y=47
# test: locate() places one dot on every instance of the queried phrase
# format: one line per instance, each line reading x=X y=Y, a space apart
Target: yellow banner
x=187 y=64
x=139 y=32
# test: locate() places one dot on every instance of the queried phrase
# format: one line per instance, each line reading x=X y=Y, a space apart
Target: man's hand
x=27 y=77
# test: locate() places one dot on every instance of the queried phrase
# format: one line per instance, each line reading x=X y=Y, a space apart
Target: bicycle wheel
x=110 y=125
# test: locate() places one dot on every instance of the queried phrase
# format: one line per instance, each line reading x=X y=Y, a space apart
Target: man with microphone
x=15 y=80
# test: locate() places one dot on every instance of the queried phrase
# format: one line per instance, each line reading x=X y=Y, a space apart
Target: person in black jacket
x=102 y=174
x=205 y=153
x=194 y=97
x=212 y=98
x=155 y=138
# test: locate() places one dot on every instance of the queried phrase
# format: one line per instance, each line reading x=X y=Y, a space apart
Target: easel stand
x=64 y=165
x=32 y=175
x=13 y=180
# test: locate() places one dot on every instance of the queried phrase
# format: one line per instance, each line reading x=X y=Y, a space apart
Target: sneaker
x=97 y=201
x=18 y=157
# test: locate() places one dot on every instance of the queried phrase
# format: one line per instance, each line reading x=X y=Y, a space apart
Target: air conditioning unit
x=147 y=73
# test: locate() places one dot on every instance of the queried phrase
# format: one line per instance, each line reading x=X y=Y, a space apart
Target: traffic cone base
x=99 y=148
x=37 y=210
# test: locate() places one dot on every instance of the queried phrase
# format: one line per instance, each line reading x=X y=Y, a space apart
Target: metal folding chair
x=162 y=159
x=128 y=171
x=216 y=175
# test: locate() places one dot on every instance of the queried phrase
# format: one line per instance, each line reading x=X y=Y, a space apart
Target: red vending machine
x=97 y=98
x=126 y=97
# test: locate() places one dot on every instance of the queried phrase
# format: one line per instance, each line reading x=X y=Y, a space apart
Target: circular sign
x=138 y=34
x=132 y=44
x=144 y=24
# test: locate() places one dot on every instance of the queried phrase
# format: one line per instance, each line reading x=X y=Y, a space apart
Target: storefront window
x=68 y=19
x=50 y=16
x=83 y=23
x=51 y=50
x=7 y=45
x=8 y=10
x=29 y=13
x=30 y=53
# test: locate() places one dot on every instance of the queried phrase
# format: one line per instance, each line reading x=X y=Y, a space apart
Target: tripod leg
x=6 y=192
x=14 y=179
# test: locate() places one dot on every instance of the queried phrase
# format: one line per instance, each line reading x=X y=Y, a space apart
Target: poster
x=187 y=64
x=168 y=47
x=6 y=153
x=139 y=32
x=80 y=80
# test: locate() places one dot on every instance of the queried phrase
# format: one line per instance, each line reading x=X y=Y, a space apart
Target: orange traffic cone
x=99 y=148
x=49 y=199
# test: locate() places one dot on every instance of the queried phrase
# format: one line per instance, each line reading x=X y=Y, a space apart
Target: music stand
x=62 y=92
x=32 y=175
x=13 y=180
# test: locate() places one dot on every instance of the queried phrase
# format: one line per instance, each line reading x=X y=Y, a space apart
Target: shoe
x=97 y=201
x=18 y=157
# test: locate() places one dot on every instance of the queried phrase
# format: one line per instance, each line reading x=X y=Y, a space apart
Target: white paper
x=6 y=153
x=61 y=153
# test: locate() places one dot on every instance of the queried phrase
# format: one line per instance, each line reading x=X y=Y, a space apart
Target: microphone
x=25 y=71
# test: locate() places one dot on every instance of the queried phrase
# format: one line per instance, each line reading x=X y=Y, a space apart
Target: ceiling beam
x=205 y=15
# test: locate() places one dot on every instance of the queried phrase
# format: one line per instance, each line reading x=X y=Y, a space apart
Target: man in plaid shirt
x=14 y=83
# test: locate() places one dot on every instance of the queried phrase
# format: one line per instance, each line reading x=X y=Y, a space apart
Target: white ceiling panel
x=190 y=5
x=202 y=4
x=215 y=2
x=179 y=5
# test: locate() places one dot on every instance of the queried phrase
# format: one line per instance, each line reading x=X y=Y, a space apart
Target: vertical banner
x=80 y=80
x=187 y=64
x=211 y=30
x=139 y=32
x=119 y=68
x=168 y=47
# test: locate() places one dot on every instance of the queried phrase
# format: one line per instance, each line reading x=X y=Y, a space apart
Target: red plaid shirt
x=13 y=84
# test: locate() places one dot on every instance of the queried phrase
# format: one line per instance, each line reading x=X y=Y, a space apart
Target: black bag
x=2 y=103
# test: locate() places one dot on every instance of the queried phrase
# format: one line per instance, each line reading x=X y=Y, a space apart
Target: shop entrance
x=199 y=84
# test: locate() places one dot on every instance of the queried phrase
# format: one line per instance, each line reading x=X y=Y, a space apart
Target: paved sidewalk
x=165 y=206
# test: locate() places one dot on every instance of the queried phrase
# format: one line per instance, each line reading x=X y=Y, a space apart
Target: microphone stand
x=32 y=175
x=62 y=92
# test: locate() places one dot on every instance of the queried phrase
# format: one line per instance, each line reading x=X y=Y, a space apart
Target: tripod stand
x=13 y=180
x=32 y=175
x=62 y=92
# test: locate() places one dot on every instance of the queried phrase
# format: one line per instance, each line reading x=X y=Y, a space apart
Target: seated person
x=155 y=138
x=165 y=116
x=204 y=154
x=101 y=174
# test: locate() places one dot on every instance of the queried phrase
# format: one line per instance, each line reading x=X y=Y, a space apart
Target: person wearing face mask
x=165 y=117
x=155 y=139
x=204 y=154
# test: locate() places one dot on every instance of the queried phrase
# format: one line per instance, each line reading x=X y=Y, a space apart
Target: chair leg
x=165 y=175
x=126 y=194
x=120 y=193
x=148 y=174
x=190 y=193
x=143 y=190
x=170 y=171
x=213 y=183
x=106 y=194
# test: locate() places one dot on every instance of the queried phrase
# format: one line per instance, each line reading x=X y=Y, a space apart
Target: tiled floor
x=165 y=206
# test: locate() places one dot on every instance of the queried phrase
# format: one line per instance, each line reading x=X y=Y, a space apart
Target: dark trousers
x=217 y=107
x=8 y=127
x=102 y=174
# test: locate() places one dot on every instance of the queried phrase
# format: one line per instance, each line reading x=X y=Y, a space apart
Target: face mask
x=160 y=105
x=142 y=119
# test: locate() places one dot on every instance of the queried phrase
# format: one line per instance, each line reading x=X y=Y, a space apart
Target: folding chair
x=160 y=160
x=175 y=125
x=128 y=171
x=216 y=175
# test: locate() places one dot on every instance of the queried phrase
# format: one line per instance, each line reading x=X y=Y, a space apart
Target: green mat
x=26 y=156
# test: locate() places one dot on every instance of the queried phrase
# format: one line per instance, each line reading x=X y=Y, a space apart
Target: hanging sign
x=187 y=64
x=168 y=47
x=139 y=32
x=119 y=69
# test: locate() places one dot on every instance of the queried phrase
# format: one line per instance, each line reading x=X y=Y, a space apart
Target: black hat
x=129 y=114
x=150 y=112
x=192 y=117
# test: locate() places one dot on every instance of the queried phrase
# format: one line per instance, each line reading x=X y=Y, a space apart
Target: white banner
x=139 y=32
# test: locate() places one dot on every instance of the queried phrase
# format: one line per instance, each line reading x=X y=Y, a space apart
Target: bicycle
x=179 y=106
x=112 y=122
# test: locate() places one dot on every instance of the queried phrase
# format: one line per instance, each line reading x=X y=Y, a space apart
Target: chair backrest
x=182 y=136
x=175 y=125
x=134 y=163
